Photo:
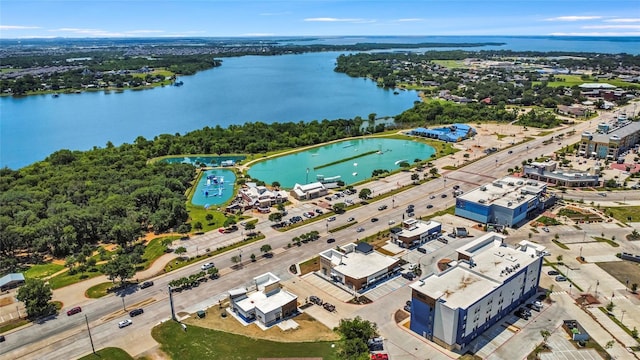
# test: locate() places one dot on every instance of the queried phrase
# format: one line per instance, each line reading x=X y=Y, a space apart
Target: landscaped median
x=110 y=353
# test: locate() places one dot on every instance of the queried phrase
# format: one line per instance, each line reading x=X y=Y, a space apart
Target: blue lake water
x=283 y=88
x=215 y=187
x=302 y=168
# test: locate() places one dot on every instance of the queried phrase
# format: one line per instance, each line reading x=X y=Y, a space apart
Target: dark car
x=443 y=196
x=136 y=312
x=456 y=187
x=331 y=240
x=74 y=310
x=429 y=206
x=146 y=284
x=2 y=338
x=374 y=219
x=553 y=272
x=409 y=275
x=316 y=300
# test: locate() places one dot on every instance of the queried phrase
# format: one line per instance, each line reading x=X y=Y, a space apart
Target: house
x=11 y=281
x=261 y=197
x=357 y=266
x=268 y=305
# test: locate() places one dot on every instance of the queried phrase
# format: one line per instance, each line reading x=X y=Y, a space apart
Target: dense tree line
x=441 y=112
x=70 y=199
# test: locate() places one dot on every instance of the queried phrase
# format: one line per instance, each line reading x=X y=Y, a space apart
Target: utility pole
x=89 y=330
x=173 y=313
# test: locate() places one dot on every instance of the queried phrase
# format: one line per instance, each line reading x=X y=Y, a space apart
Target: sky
x=245 y=18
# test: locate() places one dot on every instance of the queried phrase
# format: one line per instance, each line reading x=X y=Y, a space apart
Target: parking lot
x=563 y=349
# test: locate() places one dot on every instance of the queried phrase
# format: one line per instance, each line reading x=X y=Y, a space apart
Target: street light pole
x=89 y=330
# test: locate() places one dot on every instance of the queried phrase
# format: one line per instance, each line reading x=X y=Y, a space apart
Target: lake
x=247 y=89
x=350 y=160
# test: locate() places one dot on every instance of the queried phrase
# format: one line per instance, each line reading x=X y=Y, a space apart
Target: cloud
x=330 y=19
x=627 y=26
x=573 y=18
x=17 y=27
x=410 y=20
x=624 y=20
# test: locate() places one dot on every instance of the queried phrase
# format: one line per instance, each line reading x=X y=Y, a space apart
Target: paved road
x=61 y=337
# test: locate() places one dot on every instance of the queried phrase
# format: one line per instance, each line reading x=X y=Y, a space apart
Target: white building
x=357 y=266
x=415 y=232
x=268 y=305
x=309 y=191
x=261 y=197
x=488 y=280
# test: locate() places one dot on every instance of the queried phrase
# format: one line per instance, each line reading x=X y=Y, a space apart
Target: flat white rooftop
x=264 y=303
x=413 y=227
x=358 y=265
x=509 y=192
x=493 y=264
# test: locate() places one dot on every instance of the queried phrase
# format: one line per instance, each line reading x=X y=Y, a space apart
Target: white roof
x=413 y=227
x=309 y=187
x=508 y=192
x=596 y=86
x=264 y=303
x=462 y=285
x=358 y=265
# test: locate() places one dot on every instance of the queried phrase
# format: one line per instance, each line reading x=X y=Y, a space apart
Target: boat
x=55 y=95
x=355 y=174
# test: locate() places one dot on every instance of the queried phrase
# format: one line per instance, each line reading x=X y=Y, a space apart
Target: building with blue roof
x=11 y=281
x=451 y=133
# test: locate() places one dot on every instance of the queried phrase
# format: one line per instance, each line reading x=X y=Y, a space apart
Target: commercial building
x=261 y=197
x=506 y=201
x=611 y=139
x=309 y=191
x=487 y=281
x=452 y=133
x=415 y=232
x=11 y=281
x=546 y=171
x=357 y=266
x=268 y=304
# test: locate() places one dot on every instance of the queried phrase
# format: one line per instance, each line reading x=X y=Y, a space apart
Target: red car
x=74 y=310
x=379 y=357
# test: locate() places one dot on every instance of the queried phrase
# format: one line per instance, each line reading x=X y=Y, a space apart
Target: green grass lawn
x=451 y=64
x=154 y=249
x=573 y=80
x=98 y=291
x=109 y=353
x=623 y=213
x=200 y=343
x=42 y=270
x=65 y=279
x=12 y=325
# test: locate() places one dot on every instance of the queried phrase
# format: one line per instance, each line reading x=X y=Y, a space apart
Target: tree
x=415 y=177
x=120 y=267
x=355 y=334
x=213 y=272
x=634 y=287
x=433 y=171
x=197 y=225
x=266 y=248
x=610 y=306
x=280 y=207
x=338 y=208
x=36 y=296
x=545 y=335
x=250 y=226
x=276 y=184
x=235 y=259
x=253 y=257
x=364 y=194
x=275 y=217
x=209 y=217
x=181 y=250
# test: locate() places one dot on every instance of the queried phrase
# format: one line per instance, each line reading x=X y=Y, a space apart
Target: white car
x=391 y=222
x=206 y=266
x=125 y=323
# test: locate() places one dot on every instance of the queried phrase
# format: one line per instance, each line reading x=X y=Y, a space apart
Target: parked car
x=409 y=275
x=561 y=278
x=74 y=310
x=407 y=308
x=136 y=312
x=545 y=229
x=331 y=240
x=125 y=323
x=146 y=284
x=553 y=272
x=329 y=307
x=456 y=187
x=328 y=198
x=319 y=211
x=316 y=300
x=206 y=266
